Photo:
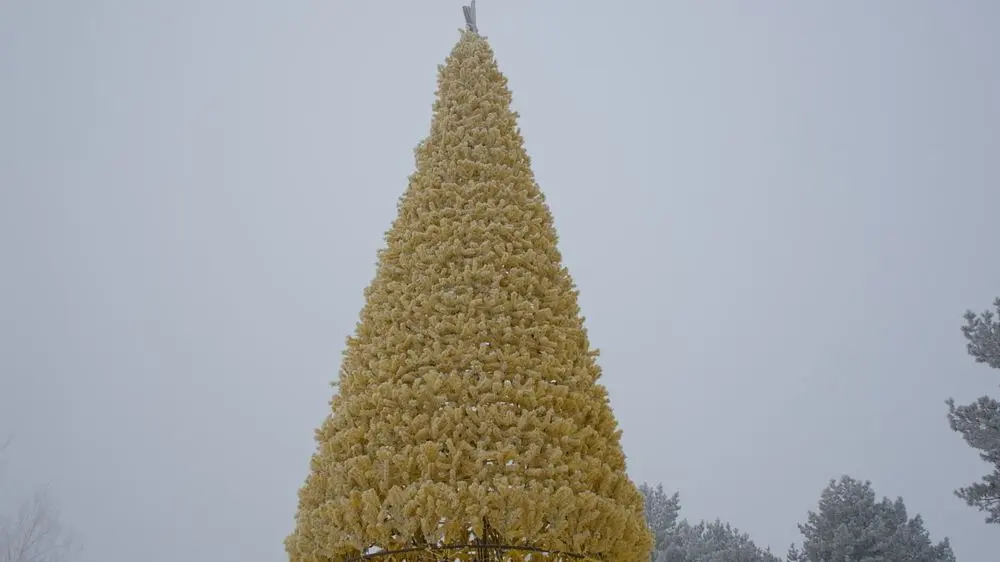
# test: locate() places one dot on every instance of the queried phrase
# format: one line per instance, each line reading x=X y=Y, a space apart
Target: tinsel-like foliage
x=469 y=406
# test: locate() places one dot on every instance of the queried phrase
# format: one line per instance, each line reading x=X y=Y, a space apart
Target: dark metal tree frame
x=489 y=549
x=483 y=552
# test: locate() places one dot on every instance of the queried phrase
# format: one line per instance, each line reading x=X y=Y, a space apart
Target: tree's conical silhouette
x=468 y=405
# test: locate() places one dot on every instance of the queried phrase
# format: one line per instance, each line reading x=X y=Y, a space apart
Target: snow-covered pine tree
x=469 y=407
x=979 y=422
x=661 y=511
x=680 y=541
x=713 y=541
x=851 y=526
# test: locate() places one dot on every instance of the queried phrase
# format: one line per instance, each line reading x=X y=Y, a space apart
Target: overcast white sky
x=776 y=213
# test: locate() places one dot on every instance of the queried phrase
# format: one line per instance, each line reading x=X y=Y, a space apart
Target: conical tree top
x=468 y=408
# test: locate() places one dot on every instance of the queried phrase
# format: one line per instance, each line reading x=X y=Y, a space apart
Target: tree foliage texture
x=680 y=541
x=851 y=526
x=979 y=422
x=469 y=405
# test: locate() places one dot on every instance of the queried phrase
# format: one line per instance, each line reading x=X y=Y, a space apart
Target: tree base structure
x=472 y=553
x=490 y=549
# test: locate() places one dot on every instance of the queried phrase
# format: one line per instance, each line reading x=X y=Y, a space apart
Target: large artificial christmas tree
x=469 y=423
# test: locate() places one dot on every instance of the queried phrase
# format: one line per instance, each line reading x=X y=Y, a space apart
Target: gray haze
x=776 y=213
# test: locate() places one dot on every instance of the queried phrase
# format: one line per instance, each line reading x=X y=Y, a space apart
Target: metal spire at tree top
x=470 y=17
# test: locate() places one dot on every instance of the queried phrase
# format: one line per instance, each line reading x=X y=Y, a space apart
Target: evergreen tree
x=661 y=513
x=703 y=542
x=469 y=407
x=851 y=526
x=979 y=422
x=713 y=541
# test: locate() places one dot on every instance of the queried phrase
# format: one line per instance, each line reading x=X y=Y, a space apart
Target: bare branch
x=34 y=533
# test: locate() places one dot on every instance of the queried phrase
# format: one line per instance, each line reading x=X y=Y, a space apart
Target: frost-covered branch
x=979 y=422
x=983 y=335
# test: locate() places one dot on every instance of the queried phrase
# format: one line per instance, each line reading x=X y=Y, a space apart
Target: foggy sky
x=776 y=213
